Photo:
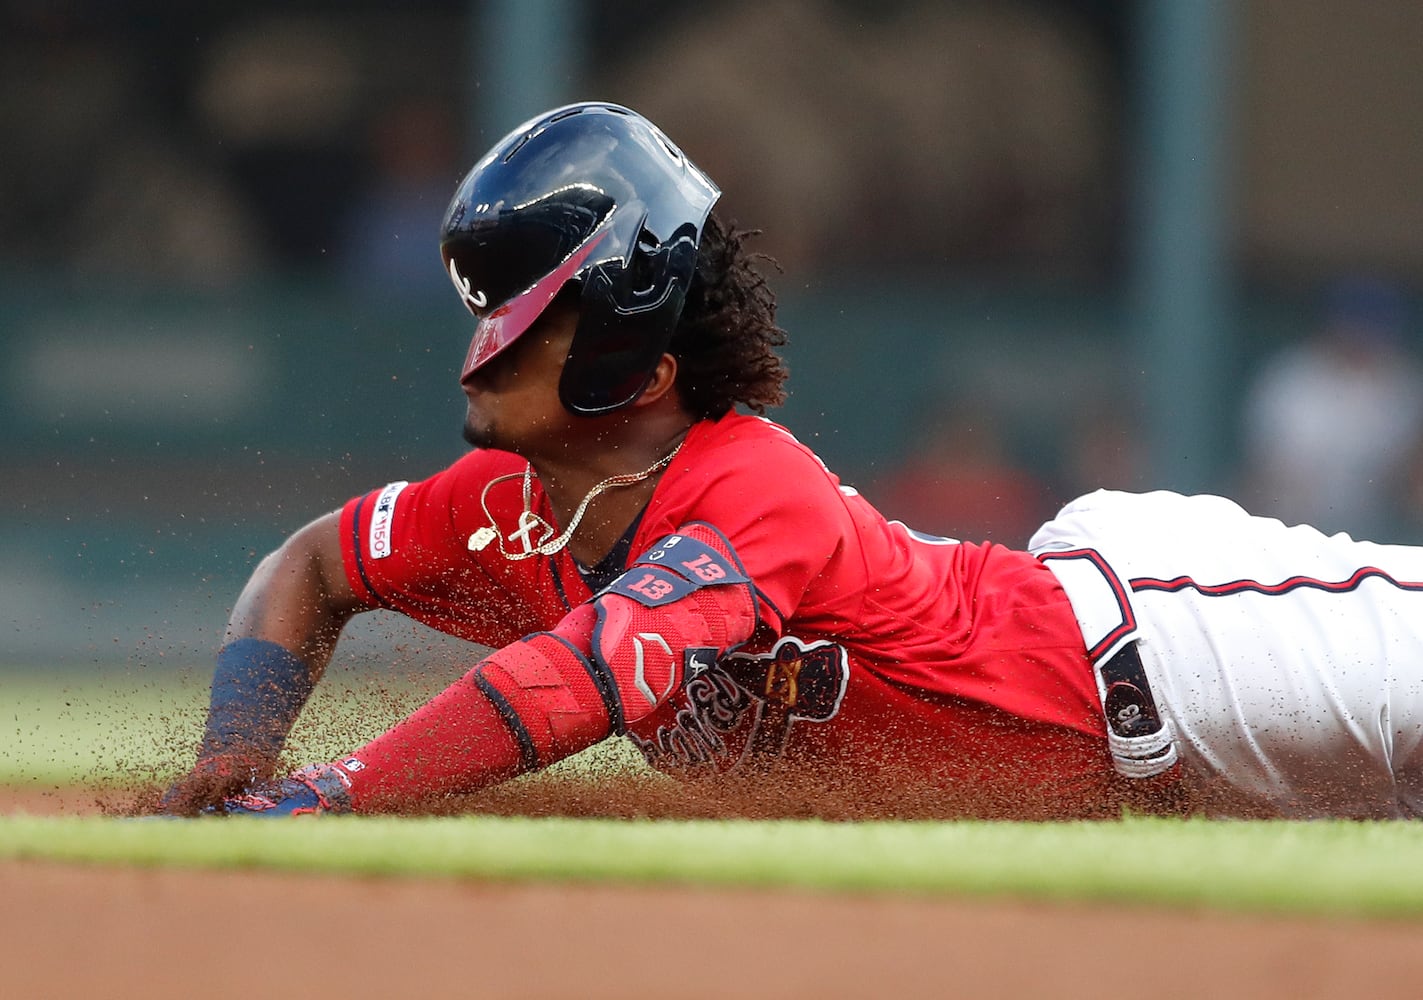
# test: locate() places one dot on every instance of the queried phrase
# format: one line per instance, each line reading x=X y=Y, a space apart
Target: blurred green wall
x=158 y=444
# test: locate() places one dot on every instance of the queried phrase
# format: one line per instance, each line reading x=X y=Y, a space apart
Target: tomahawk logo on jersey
x=740 y=711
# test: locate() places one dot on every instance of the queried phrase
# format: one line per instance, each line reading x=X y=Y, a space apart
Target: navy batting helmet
x=593 y=194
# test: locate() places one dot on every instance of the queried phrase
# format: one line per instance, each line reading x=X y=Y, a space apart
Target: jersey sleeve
x=405 y=547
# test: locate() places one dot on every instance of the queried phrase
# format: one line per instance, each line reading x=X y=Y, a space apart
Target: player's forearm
x=525 y=706
x=279 y=639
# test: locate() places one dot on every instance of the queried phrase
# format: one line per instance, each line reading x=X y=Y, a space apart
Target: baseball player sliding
x=648 y=559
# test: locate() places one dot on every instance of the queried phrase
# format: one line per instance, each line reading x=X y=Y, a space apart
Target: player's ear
x=664 y=377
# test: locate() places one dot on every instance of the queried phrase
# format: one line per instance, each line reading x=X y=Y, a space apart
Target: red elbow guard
x=688 y=596
x=553 y=699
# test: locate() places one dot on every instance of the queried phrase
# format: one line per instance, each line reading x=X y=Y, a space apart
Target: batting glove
x=315 y=789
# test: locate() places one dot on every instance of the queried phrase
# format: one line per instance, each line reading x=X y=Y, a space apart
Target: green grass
x=62 y=727
x=1373 y=870
x=106 y=730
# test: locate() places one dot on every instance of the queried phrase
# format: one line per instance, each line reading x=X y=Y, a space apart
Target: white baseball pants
x=1284 y=662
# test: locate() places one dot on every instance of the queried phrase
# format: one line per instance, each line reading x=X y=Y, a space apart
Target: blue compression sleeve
x=258 y=690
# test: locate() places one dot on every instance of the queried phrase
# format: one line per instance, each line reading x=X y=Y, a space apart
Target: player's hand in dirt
x=314 y=789
x=214 y=779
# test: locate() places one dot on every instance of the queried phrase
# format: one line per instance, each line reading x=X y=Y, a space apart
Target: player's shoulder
x=738 y=439
x=739 y=463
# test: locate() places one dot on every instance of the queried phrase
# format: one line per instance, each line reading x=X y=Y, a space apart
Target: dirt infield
x=73 y=932
x=68 y=931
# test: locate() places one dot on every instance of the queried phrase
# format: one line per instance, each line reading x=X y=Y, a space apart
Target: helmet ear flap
x=625 y=327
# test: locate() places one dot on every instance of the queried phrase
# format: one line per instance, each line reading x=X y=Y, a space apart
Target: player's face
x=513 y=400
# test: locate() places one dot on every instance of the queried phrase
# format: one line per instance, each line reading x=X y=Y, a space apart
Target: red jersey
x=879 y=650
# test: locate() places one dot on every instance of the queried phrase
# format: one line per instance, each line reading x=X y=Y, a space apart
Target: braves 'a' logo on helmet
x=475 y=300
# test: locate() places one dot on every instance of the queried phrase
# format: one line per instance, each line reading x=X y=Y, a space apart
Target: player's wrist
x=258 y=690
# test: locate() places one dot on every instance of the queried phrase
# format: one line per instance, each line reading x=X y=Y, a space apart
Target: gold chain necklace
x=549 y=541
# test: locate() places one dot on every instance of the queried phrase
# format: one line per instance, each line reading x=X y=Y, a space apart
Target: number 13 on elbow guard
x=676 y=567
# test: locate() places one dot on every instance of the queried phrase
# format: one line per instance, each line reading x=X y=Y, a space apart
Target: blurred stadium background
x=1062 y=233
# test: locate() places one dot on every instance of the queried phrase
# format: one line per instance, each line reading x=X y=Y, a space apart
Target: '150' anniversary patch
x=382 y=518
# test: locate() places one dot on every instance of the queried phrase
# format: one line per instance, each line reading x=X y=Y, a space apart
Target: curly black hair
x=725 y=342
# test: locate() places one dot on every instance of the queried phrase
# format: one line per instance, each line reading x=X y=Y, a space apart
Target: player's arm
x=607 y=664
x=279 y=640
